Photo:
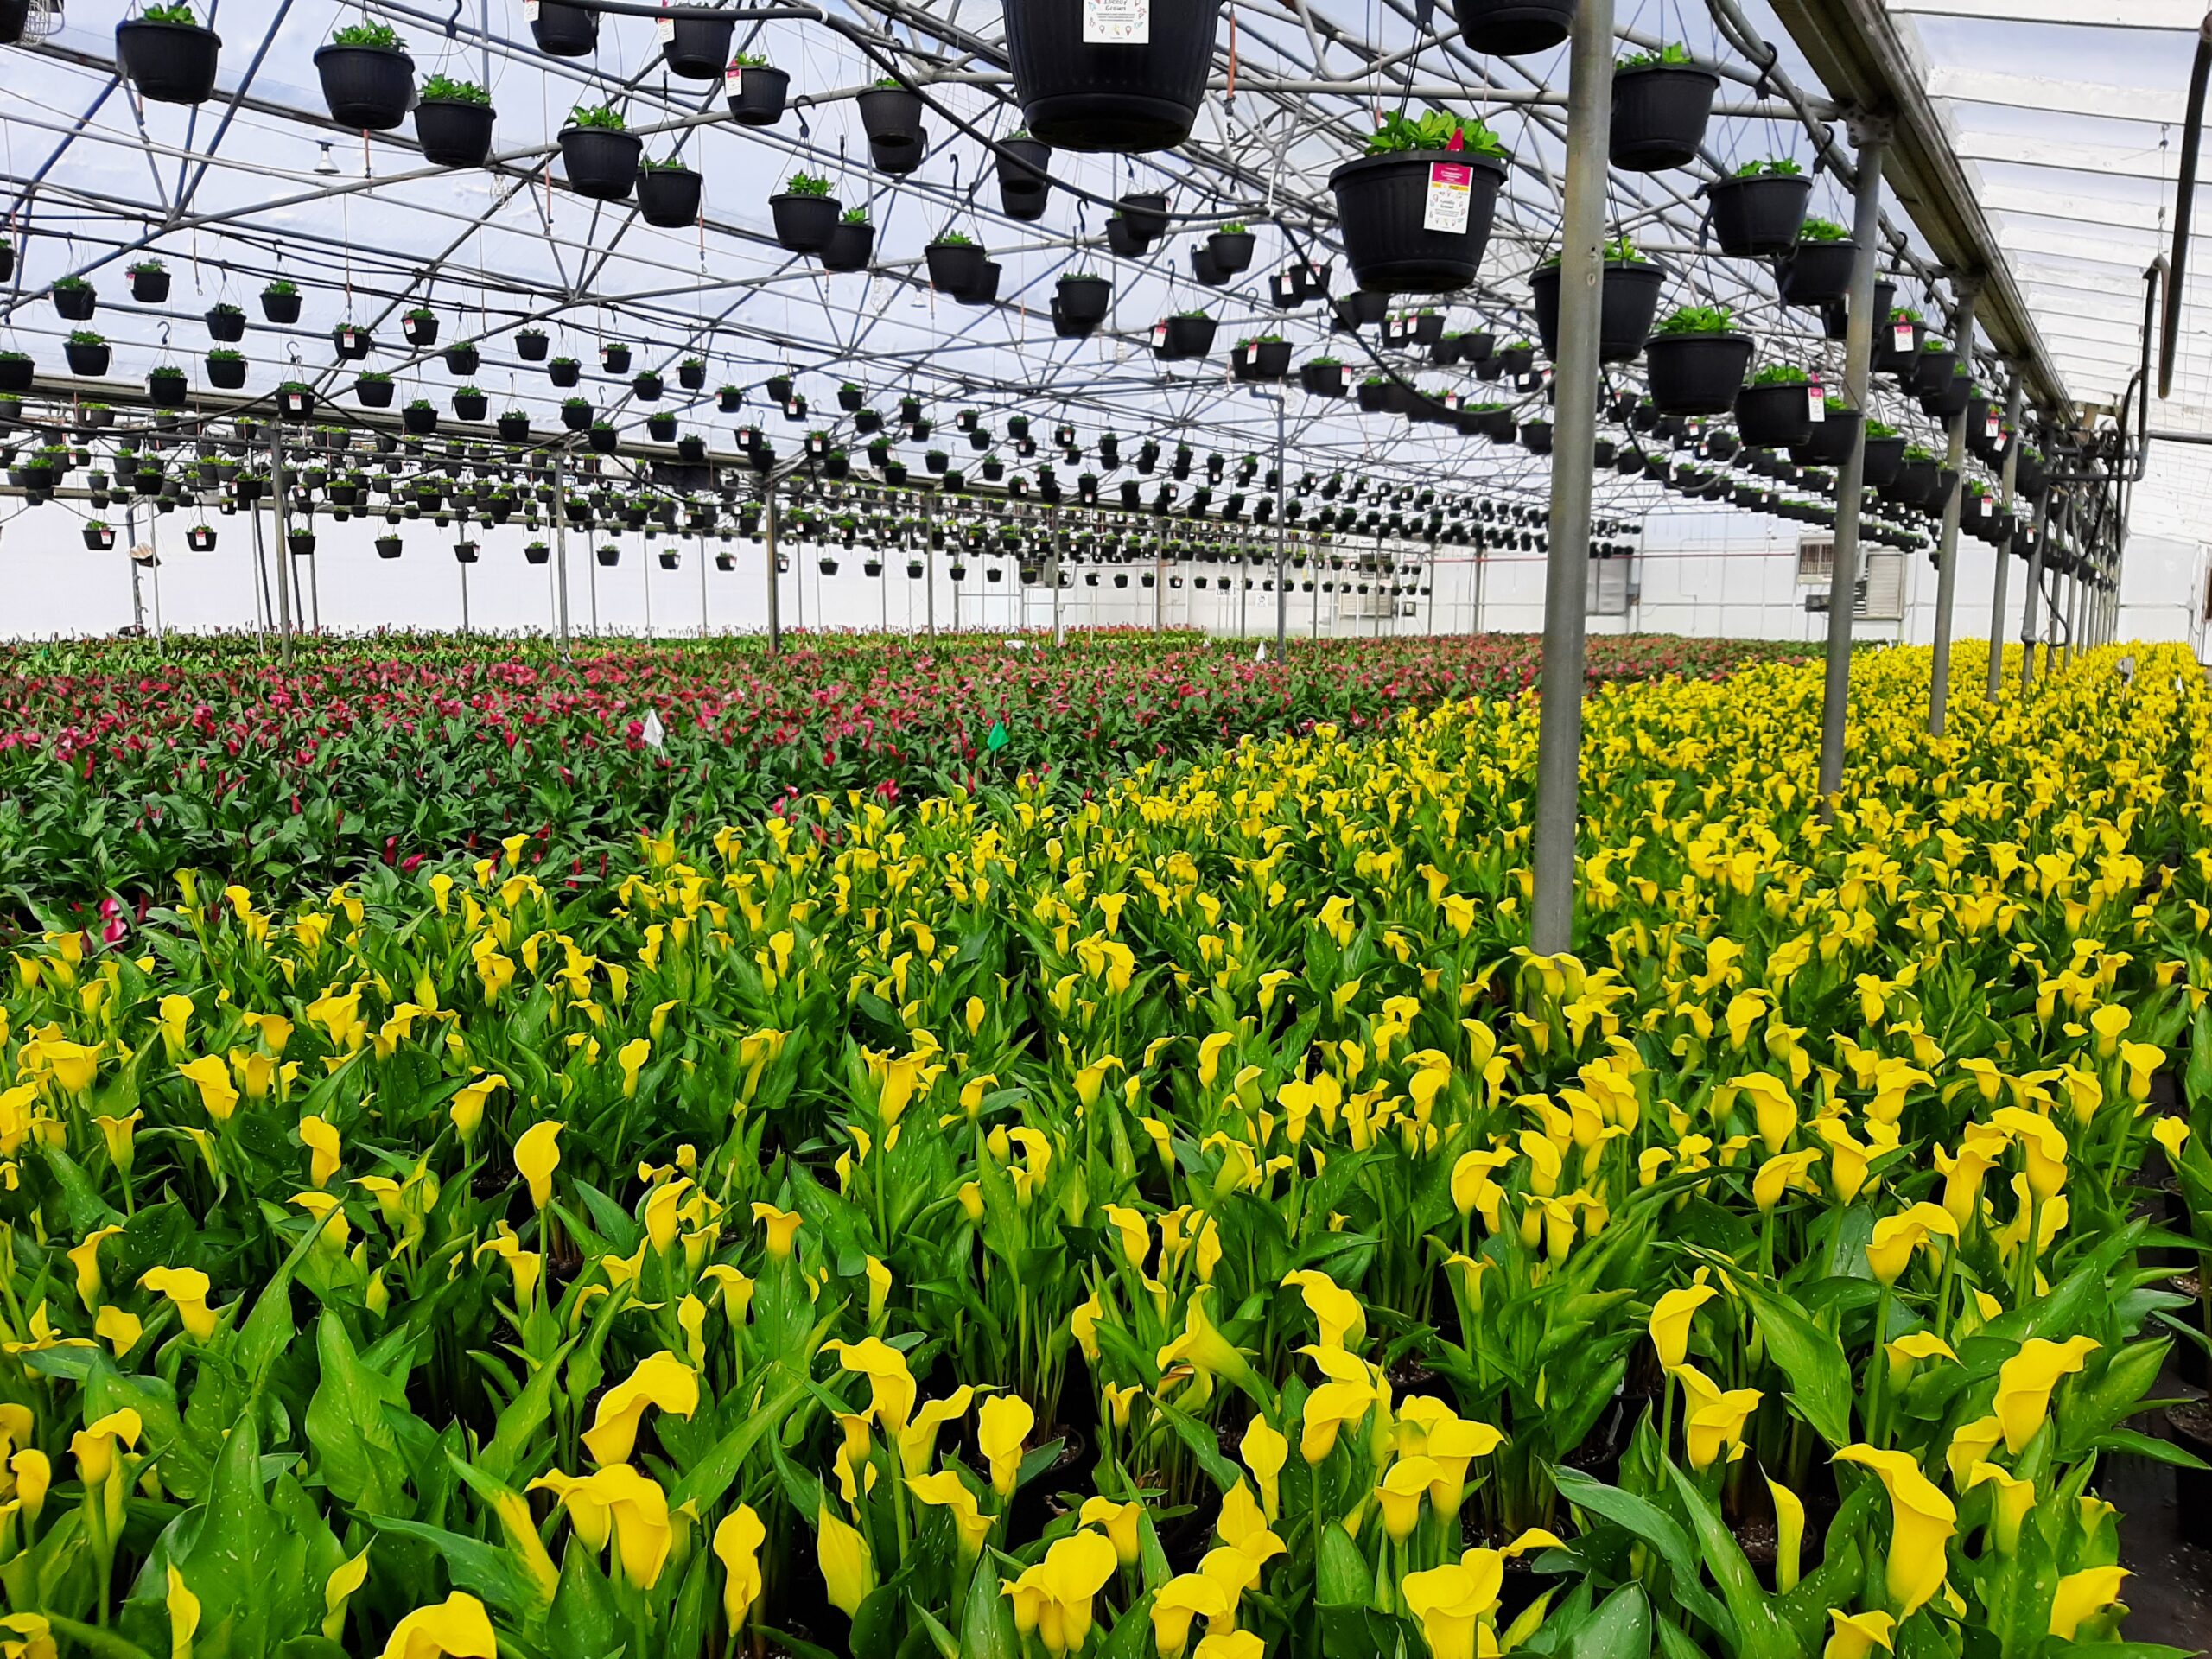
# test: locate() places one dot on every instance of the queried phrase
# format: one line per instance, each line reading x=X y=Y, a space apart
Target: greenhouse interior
x=1143 y=829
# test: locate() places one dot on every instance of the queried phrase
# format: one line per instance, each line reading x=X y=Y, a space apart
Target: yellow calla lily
x=1922 y=1523
x=2025 y=1382
x=457 y=1628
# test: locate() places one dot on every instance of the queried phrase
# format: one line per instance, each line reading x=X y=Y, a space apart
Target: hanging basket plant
x=564 y=371
x=1437 y=170
x=755 y=90
x=226 y=323
x=852 y=242
x=696 y=47
x=668 y=193
x=1696 y=364
x=453 y=123
x=599 y=154
x=1761 y=210
x=1661 y=103
x=1828 y=440
x=150 y=281
x=1775 y=411
x=805 y=213
x=201 y=539
x=350 y=341
x=891 y=114
x=1627 y=300
x=1514 y=27
x=374 y=390
x=1130 y=87
x=531 y=345
x=956 y=263
x=462 y=358
x=74 y=299
x=565 y=31
x=167 y=56
x=419 y=418
x=280 y=302
x=1023 y=166
x=88 y=353
x=368 y=80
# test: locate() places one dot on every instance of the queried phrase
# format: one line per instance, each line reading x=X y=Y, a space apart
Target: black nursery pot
x=697 y=48
x=668 y=196
x=803 y=223
x=388 y=547
x=563 y=30
x=1231 y=253
x=1513 y=27
x=601 y=163
x=1189 y=336
x=1697 y=374
x=1775 y=418
x=1024 y=170
x=891 y=116
x=1933 y=373
x=88 y=360
x=849 y=247
x=1381 y=203
x=452 y=132
x=469 y=406
x=1128 y=97
x=365 y=86
x=1659 y=116
x=756 y=95
x=226 y=373
x=564 y=374
x=1885 y=459
x=1627 y=304
x=1754 y=217
x=75 y=304
x=225 y=327
x=956 y=268
x=1084 y=299
x=168 y=63
x=1814 y=273
x=281 y=308
x=532 y=346
x=373 y=394
x=1827 y=440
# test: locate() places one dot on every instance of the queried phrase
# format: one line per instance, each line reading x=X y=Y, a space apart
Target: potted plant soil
x=1775 y=411
x=668 y=193
x=852 y=242
x=1627 y=302
x=1696 y=363
x=280 y=301
x=167 y=56
x=368 y=80
x=805 y=213
x=599 y=154
x=1761 y=209
x=755 y=90
x=1662 y=102
x=453 y=123
x=1125 y=96
x=1383 y=203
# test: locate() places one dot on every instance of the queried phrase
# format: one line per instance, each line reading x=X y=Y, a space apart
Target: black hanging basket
x=365 y=86
x=372 y=394
x=804 y=224
x=1382 y=201
x=601 y=163
x=1697 y=374
x=168 y=63
x=850 y=245
x=668 y=196
x=1514 y=27
x=281 y=308
x=756 y=95
x=1827 y=440
x=1660 y=113
x=1816 y=273
x=14 y=17
x=697 y=49
x=453 y=131
x=532 y=345
x=1126 y=97
x=1775 y=417
x=1885 y=459
x=1760 y=215
x=563 y=30
x=892 y=117
x=1627 y=302
x=225 y=327
x=956 y=268
x=1084 y=299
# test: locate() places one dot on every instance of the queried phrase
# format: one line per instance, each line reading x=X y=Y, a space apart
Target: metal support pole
x=131 y=554
x=1566 y=575
x=1055 y=512
x=2035 y=589
x=561 y=550
x=1282 y=527
x=464 y=599
x=281 y=514
x=1871 y=138
x=929 y=585
x=775 y=598
x=1947 y=565
x=701 y=556
x=2005 y=552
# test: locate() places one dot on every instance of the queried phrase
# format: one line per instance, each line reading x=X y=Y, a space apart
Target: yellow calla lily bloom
x=2025 y=1380
x=1453 y=1600
x=1857 y=1635
x=1002 y=1424
x=1671 y=1316
x=737 y=1546
x=537 y=1154
x=661 y=1380
x=457 y=1628
x=848 y=1565
x=946 y=1490
x=1922 y=1523
x=1052 y=1600
x=2079 y=1596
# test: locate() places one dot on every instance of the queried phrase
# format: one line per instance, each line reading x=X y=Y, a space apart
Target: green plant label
x=998 y=738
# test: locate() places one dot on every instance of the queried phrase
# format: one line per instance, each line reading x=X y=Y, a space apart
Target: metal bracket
x=1868 y=127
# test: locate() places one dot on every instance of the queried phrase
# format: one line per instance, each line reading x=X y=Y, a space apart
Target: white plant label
x=1117 y=22
x=665 y=29
x=1900 y=338
x=1451 y=188
x=734 y=80
x=1990 y=425
x=654 y=734
x=1816 y=406
x=529 y=11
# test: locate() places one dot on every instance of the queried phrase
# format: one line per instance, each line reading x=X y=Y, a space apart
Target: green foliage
x=1779 y=167
x=1672 y=55
x=1781 y=374
x=954 y=240
x=177 y=12
x=597 y=118
x=1434 y=130
x=806 y=184
x=1697 y=320
x=282 y=288
x=446 y=89
x=1822 y=230
x=857 y=215
x=373 y=32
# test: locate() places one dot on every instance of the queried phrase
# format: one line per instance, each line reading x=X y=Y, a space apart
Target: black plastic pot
x=1025 y=172
x=1885 y=459
x=668 y=196
x=697 y=49
x=1827 y=440
x=1627 y=302
x=226 y=373
x=365 y=86
x=75 y=304
x=469 y=406
x=1815 y=273
x=756 y=95
x=1753 y=216
x=14 y=17
x=1123 y=241
x=514 y=428
x=1949 y=400
x=1263 y=359
x=1660 y=113
x=281 y=308
x=1084 y=299
x=1514 y=27
x=1381 y=203
x=301 y=542
x=956 y=268
x=1188 y=337
x=563 y=30
x=1776 y=416
x=577 y=418
x=168 y=63
x=1536 y=437
x=1697 y=374
x=1127 y=98
x=1231 y=253
x=804 y=224
x=892 y=117
x=90 y=361
x=564 y=374
x=532 y=345
x=461 y=358
x=1932 y=372
x=16 y=377
x=373 y=394
x=601 y=163
x=850 y=247
x=453 y=132
x=225 y=327
x=351 y=342
x=647 y=388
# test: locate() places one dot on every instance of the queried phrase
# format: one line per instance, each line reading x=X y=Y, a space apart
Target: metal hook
x=165 y=335
x=453 y=23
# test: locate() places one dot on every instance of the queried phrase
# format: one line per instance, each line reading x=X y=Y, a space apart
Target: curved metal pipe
x=2184 y=199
